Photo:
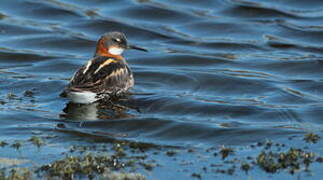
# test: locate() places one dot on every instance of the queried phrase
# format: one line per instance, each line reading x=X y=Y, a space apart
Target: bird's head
x=113 y=44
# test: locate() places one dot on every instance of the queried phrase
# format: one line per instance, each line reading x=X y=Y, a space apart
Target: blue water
x=218 y=72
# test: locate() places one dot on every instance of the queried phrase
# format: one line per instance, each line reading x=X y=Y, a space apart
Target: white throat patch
x=116 y=51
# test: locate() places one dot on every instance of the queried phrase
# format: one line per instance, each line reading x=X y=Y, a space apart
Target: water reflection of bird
x=93 y=111
x=104 y=76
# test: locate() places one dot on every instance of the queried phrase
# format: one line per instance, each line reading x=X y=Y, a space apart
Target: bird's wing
x=102 y=75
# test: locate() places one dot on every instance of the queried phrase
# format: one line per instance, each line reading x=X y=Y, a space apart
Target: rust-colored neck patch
x=102 y=50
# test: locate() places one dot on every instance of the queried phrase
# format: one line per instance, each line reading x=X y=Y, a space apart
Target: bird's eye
x=117 y=40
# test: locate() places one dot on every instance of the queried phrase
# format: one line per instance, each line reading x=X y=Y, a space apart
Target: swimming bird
x=106 y=75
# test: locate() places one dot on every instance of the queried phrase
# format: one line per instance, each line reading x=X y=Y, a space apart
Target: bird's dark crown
x=116 y=39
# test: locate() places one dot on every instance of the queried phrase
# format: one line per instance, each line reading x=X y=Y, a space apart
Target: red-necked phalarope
x=106 y=74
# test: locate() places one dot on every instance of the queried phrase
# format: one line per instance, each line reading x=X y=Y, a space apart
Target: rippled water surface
x=229 y=72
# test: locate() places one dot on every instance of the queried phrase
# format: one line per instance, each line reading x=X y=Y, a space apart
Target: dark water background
x=230 y=72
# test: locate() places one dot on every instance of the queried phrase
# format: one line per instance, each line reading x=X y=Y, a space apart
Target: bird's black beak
x=137 y=48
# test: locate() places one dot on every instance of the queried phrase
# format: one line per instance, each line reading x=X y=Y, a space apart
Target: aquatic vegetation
x=245 y=167
x=11 y=96
x=312 y=138
x=196 y=175
x=147 y=166
x=97 y=165
x=119 y=150
x=2 y=102
x=16 y=174
x=293 y=160
x=105 y=161
x=17 y=145
x=3 y=143
x=36 y=141
x=28 y=93
x=141 y=146
x=171 y=153
x=89 y=165
x=225 y=152
x=319 y=159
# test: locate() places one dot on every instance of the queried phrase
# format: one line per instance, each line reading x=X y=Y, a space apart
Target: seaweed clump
x=17 y=145
x=245 y=167
x=225 y=152
x=293 y=159
x=35 y=140
x=87 y=166
x=16 y=174
x=312 y=138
